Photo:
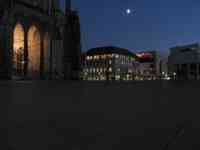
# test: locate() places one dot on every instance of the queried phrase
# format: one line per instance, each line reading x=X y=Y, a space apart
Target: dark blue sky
x=157 y=24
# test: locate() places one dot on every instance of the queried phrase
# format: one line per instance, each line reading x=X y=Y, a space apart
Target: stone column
x=42 y=57
x=26 y=52
x=6 y=48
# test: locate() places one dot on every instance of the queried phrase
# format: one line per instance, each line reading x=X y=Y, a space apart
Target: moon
x=128 y=11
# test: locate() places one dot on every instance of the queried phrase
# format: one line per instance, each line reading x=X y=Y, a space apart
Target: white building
x=184 y=62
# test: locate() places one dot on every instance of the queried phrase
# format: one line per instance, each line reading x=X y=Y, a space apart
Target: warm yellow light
x=34 y=50
x=18 y=46
x=18 y=37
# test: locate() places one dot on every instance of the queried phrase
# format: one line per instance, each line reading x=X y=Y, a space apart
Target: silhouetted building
x=149 y=65
x=38 y=40
x=184 y=62
x=109 y=63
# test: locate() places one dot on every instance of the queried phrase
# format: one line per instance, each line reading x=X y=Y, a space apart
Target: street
x=60 y=115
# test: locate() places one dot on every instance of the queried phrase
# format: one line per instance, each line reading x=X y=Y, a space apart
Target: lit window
x=110 y=69
x=117 y=77
x=110 y=62
x=117 y=56
x=103 y=56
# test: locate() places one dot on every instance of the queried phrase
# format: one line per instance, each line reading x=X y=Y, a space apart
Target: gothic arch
x=34 y=51
x=18 y=48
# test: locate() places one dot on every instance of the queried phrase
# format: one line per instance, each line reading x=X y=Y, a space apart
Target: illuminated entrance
x=18 y=49
x=34 y=48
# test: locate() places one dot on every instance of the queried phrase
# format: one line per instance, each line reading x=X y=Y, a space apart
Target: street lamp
x=174 y=74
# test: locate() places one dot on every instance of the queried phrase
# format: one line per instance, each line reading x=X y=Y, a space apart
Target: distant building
x=109 y=63
x=149 y=65
x=164 y=68
x=38 y=40
x=184 y=62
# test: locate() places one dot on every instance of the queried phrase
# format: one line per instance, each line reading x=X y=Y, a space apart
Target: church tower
x=72 y=44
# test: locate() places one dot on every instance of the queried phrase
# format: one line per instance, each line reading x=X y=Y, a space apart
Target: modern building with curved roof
x=109 y=63
x=110 y=50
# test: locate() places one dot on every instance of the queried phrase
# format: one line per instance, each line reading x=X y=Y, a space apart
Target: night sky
x=157 y=24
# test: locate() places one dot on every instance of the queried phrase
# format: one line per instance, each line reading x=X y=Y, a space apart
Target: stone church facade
x=38 y=40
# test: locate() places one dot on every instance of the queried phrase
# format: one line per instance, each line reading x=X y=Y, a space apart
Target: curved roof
x=110 y=50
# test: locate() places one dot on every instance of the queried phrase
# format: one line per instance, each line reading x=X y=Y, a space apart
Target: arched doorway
x=34 y=49
x=46 y=54
x=18 y=49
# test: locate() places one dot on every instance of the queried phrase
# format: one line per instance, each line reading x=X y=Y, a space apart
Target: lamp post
x=174 y=74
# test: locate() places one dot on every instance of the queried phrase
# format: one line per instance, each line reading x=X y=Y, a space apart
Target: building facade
x=38 y=40
x=149 y=65
x=164 y=69
x=109 y=63
x=184 y=62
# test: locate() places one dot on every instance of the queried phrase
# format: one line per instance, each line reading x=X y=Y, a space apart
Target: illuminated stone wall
x=34 y=46
x=34 y=50
x=18 y=47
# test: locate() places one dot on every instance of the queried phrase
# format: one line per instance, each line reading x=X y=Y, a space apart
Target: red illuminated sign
x=145 y=57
